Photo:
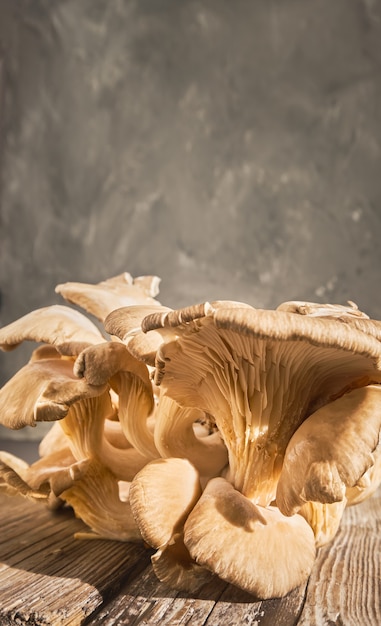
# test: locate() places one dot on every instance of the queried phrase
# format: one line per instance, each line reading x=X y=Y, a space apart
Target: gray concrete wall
x=232 y=147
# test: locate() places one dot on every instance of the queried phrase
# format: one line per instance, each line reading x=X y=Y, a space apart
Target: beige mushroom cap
x=161 y=497
x=62 y=327
x=111 y=362
x=42 y=390
x=331 y=450
x=254 y=548
x=120 y=291
x=125 y=323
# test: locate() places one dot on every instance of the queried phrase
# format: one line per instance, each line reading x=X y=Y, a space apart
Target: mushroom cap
x=252 y=547
x=125 y=323
x=95 y=499
x=331 y=450
x=174 y=566
x=102 y=298
x=259 y=374
x=13 y=478
x=314 y=309
x=42 y=390
x=161 y=496
x=60 y=326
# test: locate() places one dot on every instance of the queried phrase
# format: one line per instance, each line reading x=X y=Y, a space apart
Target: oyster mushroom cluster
x=228 y=438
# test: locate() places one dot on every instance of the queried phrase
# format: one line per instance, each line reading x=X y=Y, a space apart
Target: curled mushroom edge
x=229 y=439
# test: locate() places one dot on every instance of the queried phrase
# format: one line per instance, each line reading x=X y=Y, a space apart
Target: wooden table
x=49 y=578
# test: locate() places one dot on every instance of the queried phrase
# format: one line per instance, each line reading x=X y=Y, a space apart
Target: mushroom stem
x=175 y=437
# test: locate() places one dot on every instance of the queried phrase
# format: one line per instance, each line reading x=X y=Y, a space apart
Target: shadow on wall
x=233 y=149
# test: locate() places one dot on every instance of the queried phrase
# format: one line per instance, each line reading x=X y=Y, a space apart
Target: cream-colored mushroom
x=175 y=436
x=66 y=329
x=42 y=390
x=120 y=291
x=331 y=450
x=111 y=362
x=162 y=495
x=252 y=547
x=125 y=323
x=260 y=374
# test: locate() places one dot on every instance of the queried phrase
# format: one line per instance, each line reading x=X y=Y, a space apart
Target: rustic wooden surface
x=49 y=578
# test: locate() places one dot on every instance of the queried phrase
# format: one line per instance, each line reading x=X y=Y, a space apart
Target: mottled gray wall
x=231 y=147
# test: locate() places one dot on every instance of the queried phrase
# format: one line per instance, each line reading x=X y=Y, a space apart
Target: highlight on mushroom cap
x=229 y=439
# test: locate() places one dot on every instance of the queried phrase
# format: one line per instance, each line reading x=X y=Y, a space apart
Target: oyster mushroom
x=260 y=374
x=112 y=363
x=241 y=542
x=120 y=291
x=59 y=326
x=162 y=495
x=175 y=436
x=331 y=450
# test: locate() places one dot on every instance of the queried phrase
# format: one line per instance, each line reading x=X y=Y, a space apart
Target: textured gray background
x=231 y=147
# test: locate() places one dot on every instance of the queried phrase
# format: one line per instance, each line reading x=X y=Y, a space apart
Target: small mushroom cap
x=252 y=547
x=95 y=499
x=60 y=326
x=174 y=566
x=314 y=309
x=161 y=496
x=331 y=450
x=120 y=291
x=42 y=390
x=125 y=323
x=99 y=363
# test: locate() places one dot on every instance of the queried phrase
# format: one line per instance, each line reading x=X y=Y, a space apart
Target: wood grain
x=49 y=578
x=345 y=585
x=145 y=601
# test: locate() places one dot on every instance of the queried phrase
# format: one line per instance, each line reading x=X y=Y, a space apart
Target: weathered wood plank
x=48 y=577
x=345 y=585
x=147 y=602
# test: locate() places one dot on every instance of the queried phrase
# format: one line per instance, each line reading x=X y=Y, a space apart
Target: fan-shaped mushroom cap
x=42 y=390
x=95 y=499
x=13 y=477
x=254 y=548
x=345 y=314
x=331 y=450
x=66 y=329
x=259 y=374
x=322 y=310
x=125 y=323
x=161 y=496
x=120 y=291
